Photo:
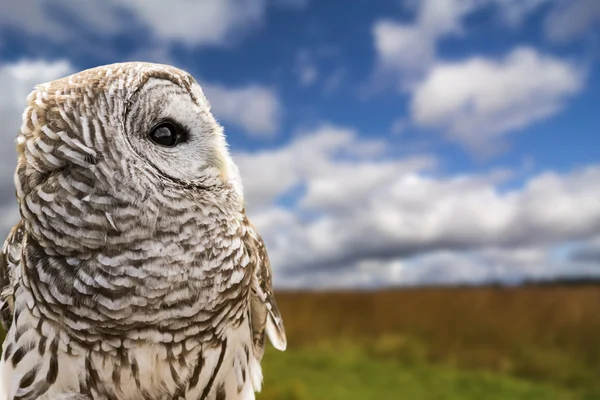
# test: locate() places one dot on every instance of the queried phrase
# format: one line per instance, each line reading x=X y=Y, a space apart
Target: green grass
x=548 y=336
x=348 y=372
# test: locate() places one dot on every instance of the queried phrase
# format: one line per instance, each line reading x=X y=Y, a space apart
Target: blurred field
x=459 y=343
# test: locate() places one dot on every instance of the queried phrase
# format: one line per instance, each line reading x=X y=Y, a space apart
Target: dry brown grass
x=549 y=333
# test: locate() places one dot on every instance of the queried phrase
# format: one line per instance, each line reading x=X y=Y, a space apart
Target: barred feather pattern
x=134 y=273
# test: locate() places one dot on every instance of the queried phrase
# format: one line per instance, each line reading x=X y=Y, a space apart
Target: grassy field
x=347 y=373
x=461 y=343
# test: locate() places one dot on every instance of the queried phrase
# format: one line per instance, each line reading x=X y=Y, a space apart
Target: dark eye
x=166 y=134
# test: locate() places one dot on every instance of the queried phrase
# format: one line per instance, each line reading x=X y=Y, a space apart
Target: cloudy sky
x=380 y=143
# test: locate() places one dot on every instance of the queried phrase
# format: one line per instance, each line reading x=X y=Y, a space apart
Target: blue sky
x=388 y=142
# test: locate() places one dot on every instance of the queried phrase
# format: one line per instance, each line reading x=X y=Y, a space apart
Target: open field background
x=459 y=343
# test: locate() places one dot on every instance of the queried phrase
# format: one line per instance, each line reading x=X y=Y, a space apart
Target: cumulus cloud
x=269 y=174
x=45 y=18
x=254 y=108
x=213 y=22
x=478 y=99
x=408 y=49
x=507 y=266
x=17 y=81
x=571 y=18
x=490 y=265
x=481 y=99
x=371 y=215
x=207 y=22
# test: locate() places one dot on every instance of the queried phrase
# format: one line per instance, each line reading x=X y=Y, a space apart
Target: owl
x=134 y=272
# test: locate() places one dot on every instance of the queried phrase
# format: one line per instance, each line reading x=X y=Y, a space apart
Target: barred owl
x=134 y=272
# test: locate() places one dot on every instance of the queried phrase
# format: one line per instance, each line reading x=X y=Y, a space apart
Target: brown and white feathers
x=134 y=272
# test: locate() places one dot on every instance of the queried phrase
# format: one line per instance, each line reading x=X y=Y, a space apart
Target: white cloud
x=271 y=173
x=402 y=47
x=35 y=17
x=408 y=49
x=491 y=264
x=17 y=81
x=357 y=219
x=488 y=265
x=255 y=108
x=213 y=22
x=572 y=18
x=410 y=214
x=206 y=22
x=480 y=99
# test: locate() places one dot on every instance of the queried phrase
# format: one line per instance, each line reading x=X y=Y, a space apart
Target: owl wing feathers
x=10 y=259
x=265 y=315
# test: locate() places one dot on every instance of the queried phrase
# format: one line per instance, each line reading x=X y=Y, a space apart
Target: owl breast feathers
x=134 y=272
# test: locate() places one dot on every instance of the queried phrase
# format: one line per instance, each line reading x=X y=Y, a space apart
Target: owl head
x=150 y=116
x=114 y=136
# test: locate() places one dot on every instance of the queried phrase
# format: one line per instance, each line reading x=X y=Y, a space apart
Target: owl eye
x=167 y=134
